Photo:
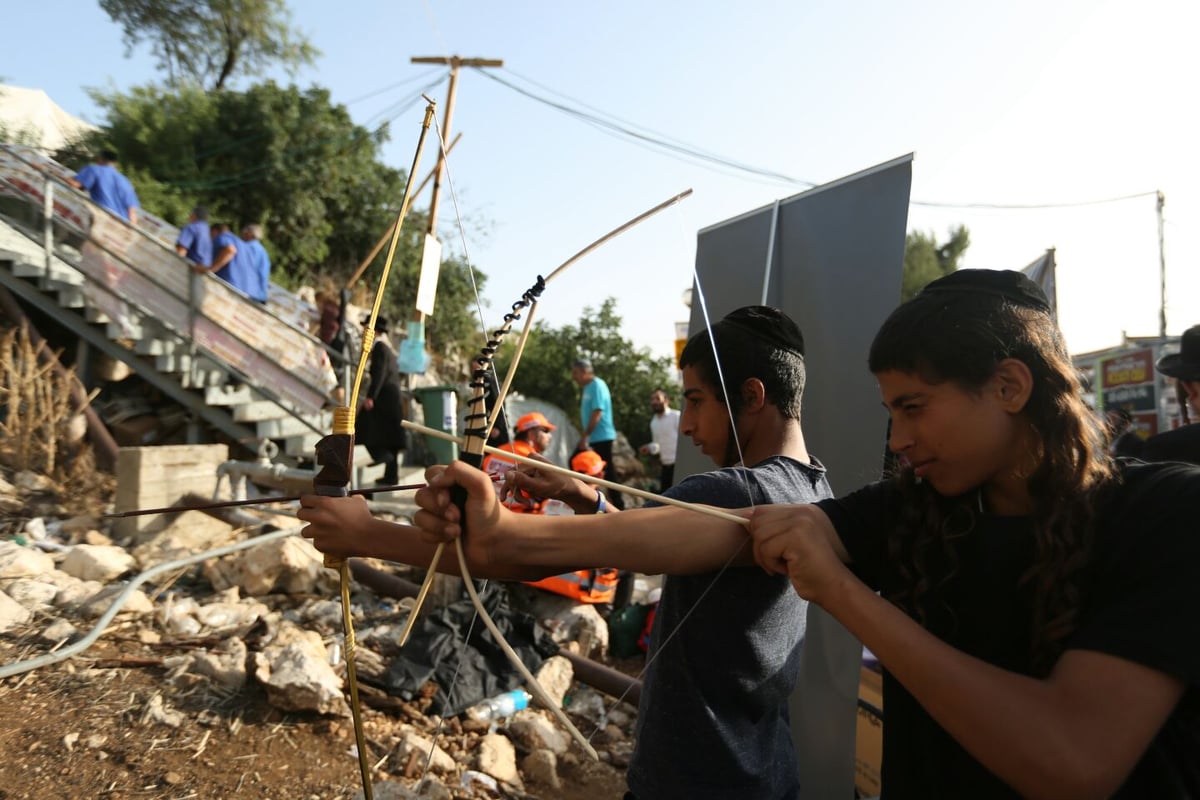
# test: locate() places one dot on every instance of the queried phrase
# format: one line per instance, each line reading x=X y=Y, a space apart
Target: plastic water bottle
x=500 y=706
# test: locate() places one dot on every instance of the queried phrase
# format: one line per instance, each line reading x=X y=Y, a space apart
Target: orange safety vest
x=583 y=585
x=498 y=465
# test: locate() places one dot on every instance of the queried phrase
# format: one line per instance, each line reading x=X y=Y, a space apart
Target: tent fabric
x=31 y=115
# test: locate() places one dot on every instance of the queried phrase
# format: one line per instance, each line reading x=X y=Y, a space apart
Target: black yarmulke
x=766 y=324
x=1008 y=284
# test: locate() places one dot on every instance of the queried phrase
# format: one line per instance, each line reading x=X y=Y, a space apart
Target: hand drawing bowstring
x=664 y=500
x=479 y=425
x=475 y=436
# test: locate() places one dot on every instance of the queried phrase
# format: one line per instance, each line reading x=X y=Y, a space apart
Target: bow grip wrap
x=335 y=455
x=458 y=495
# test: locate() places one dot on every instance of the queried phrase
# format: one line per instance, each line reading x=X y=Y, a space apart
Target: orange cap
x=534 y=419
x=588 y=462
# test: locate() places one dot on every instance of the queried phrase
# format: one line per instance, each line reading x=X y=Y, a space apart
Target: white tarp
x=31 y=116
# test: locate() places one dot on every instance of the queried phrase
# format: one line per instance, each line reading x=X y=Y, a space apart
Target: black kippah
x=766 y=324
x=1013 y=286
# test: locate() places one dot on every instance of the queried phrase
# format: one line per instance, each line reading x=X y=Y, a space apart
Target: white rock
x=157 y=712
x=227 y=668
x=12 y=613
x=183 y=535
x=97 y=563
x=296 y=672
x=412 y=741
x=290 y=565
x=73 y=592
x=23 y=562
x=228 y=615
x=136 y=604
x=534 y=731
x=35 y=529
x=33 y=594
x=59 y=630
x=498 y=758
x=555 y=675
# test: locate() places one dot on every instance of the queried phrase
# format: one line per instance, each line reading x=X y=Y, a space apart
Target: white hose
x=19 y=667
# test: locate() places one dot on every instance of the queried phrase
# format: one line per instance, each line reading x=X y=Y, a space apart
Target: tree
x=293 y=161
x=631 y=372
x=925 y=260
x=209 y=42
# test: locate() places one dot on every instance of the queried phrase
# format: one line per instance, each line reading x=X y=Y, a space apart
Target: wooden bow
x=478 y=427
x=335 y=456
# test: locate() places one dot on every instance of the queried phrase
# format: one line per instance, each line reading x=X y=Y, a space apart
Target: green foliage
x=630 y=372
x=209 y=43
x=293 y=161
x=925 y=260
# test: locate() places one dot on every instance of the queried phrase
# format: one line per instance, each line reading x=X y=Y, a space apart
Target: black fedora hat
x=1184 y=365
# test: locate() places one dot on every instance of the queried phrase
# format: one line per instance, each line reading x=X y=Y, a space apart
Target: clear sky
x=1027 y=102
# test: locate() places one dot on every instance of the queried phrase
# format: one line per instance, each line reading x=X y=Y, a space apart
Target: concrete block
x=151 y=477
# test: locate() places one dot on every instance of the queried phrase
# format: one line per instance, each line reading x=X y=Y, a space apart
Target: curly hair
x=962 y=337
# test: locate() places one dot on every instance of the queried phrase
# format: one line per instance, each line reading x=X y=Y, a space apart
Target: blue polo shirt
x=108 y=188
x=596 y=395
x=260 y=267
x=195 y=237
x=239 y=272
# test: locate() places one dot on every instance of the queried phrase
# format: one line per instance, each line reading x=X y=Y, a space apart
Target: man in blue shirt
x=195 y=242
x=108 y=187
x=260 y=262
x=596 y=419
x=234 y=263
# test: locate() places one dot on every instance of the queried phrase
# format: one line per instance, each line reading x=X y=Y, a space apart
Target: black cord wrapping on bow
x=475 y=425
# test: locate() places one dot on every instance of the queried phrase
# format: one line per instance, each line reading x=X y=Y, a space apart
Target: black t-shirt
x=1141 y=603
x=1180 y=444
x=713 y=721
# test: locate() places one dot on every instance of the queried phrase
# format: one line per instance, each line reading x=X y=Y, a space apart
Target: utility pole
x=1162 y=271
x=454 y=62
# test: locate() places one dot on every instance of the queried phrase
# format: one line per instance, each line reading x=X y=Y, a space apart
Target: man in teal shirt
x=596 y=419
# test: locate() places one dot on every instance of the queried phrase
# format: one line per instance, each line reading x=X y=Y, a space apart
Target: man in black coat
x=1182 y=443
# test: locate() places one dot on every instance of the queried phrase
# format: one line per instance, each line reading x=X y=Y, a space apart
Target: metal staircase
x=239 y=369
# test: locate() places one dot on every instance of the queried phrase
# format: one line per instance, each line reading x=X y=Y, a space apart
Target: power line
x=613 y=125
x=1025 y=206
x=640 y=134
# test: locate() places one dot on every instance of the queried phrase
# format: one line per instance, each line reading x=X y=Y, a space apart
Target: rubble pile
x=267 y=617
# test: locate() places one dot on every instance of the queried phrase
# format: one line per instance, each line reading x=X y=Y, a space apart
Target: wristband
x=601 y=503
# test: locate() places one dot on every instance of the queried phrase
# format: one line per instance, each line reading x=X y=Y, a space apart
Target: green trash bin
x=440 y=405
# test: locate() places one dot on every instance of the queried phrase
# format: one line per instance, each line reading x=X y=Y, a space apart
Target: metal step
x=228 y=395
x=259 y=410
x=123 y=330
x=163 y=345
x=70 y=296
x=301 y=446
x=291 y=426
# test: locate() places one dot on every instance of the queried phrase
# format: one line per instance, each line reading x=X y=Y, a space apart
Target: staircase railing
x=134 y=272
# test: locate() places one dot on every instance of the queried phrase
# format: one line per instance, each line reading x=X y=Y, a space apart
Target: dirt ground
x=78 y=729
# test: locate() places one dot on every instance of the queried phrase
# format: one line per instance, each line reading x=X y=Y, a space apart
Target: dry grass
x=39 y=423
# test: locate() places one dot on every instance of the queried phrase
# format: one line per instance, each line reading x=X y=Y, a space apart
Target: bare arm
x=181 y=250
x=1077 y=733
x=589 y=425
x=221 y=259
x=582 y=498
x=655 y=540
x=343 y=527
x=133 y=215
